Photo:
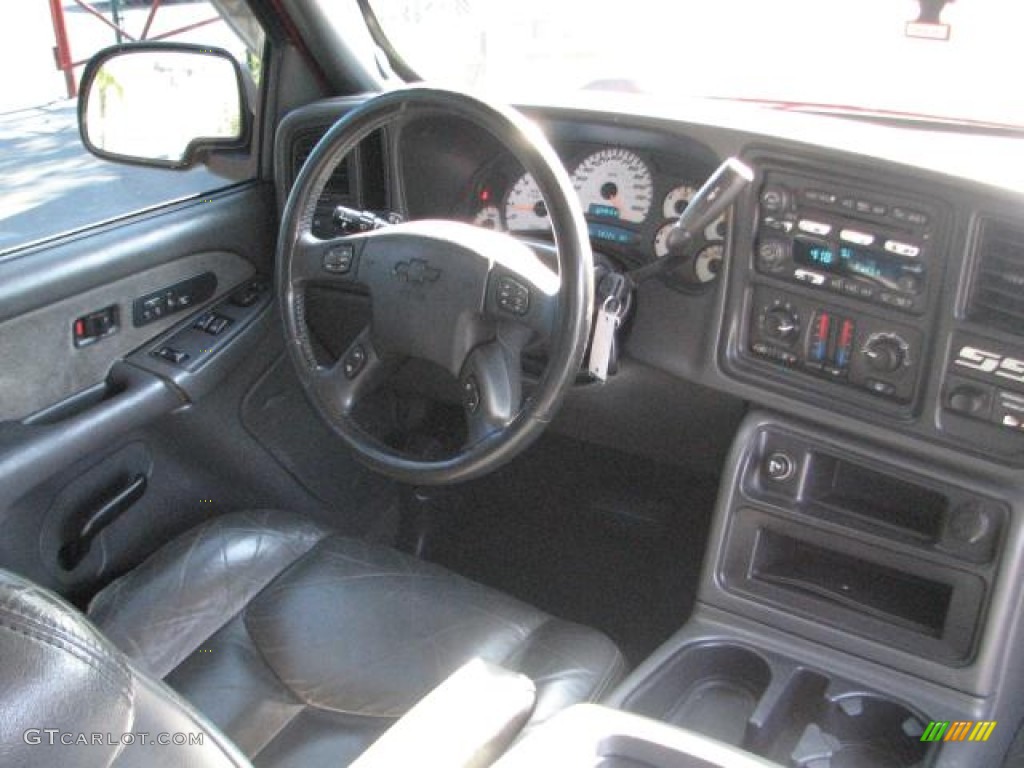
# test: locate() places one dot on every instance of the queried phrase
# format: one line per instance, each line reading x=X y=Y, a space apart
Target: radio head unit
x=868 y=247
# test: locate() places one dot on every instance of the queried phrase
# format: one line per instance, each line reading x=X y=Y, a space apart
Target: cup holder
x=779 y=709
x=712 y=689
x=862 y=731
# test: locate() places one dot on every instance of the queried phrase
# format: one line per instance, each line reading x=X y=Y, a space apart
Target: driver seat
x=300 y=645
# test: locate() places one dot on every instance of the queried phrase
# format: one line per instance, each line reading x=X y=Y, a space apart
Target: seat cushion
x=304 y=646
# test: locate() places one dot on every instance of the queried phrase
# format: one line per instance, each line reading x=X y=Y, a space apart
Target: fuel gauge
x=676 y=201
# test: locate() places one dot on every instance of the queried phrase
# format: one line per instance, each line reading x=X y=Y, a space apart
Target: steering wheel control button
x=779 y=467
x=354 y=362
x=471 y=394
x=513 y=296
x=339 y=259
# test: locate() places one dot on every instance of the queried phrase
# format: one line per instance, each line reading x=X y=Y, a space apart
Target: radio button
x=774 y=198
x=779 y=225
x=856 y=236
x=858 y=290
x=910 y=216
x=806 y=276
x=818 y=196
x=896 y=300
x=814 y=227
x=902 y=249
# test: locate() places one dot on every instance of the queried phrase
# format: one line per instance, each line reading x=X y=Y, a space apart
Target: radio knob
x=885 y=354
x=774 y=199
x=781 y=323
x=771 y=255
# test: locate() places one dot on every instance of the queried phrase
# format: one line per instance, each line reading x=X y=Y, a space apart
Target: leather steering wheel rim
x=571 y=305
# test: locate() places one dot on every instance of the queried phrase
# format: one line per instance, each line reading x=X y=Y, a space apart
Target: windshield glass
x=846 y=54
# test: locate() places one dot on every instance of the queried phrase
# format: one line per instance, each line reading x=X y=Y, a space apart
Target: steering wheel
x=465 y=298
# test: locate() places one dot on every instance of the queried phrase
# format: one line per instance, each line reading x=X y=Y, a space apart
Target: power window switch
x=172 y=355
x=217 y=325
x=203 y=322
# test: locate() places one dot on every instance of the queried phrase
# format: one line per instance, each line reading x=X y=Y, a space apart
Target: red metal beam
x=88 y=8
x=188 y=28
x=149 y=19
x=62 y=51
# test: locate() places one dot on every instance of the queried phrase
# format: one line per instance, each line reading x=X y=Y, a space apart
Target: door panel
x=46 y=367
x=64 y=465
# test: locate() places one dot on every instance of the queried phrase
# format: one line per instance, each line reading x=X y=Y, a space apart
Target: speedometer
x=614 y=183
x=524 y=207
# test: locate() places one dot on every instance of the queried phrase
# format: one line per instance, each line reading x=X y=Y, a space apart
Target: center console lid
x=590 y=735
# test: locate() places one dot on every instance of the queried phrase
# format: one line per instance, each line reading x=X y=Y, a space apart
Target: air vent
x=997 y=299
x=337 y=185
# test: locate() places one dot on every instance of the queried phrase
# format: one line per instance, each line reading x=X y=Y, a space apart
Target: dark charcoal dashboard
x=854 y=286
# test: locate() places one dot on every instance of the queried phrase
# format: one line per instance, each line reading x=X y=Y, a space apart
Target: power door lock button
x=95 y=326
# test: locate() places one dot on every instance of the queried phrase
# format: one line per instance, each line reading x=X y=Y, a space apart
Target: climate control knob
x=885 y=352
x=781 y=323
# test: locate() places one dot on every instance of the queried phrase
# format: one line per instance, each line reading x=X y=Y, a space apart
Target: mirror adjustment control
x=174 y=298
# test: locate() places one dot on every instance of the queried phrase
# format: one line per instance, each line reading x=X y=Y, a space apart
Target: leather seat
x=304 y=646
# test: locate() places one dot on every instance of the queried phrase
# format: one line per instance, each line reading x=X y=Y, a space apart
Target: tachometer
x=616 y=184
x=525 y=208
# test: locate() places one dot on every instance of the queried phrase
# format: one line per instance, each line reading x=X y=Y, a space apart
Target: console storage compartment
x=847 y=542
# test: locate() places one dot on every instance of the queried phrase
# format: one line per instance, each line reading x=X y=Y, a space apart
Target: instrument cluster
x=630 y=199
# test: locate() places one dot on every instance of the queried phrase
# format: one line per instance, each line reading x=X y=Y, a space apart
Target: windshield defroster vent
x=997 y=296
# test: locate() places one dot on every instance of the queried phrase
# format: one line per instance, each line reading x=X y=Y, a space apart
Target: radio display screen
x=888 y=271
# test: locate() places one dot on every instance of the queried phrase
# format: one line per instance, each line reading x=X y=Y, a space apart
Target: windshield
x=848 y=54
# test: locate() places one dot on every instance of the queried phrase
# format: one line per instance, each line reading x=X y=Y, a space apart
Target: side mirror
x=162 y=103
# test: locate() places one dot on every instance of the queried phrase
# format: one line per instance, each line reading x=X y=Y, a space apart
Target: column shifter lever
x=718 y=193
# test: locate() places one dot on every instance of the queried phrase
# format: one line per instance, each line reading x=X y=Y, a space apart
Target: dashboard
x=855 y=285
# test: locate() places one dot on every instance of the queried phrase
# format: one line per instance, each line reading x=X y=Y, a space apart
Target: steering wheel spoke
x=358 y=372
x=318 y=260
x=492 y=388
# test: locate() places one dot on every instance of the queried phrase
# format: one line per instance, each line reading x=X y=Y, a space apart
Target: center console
x=850 y=597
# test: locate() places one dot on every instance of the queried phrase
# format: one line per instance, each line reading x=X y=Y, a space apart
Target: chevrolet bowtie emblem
x=416 y=271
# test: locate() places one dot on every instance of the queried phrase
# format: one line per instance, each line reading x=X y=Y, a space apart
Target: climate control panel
x=851 y=348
